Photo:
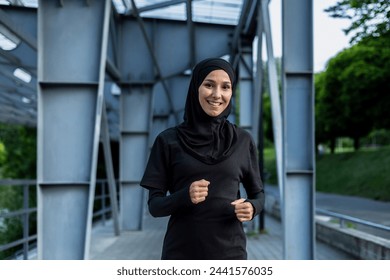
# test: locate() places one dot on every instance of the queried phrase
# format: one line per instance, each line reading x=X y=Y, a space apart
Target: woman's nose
x=216 y=92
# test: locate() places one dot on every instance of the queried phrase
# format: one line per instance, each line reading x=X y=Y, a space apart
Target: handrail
x=26 y=211
x=352 y=219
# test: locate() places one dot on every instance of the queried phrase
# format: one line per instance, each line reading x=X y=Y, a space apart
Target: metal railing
x=345 y=218
x=23 y=213
x=29 y=241
x=104 y=211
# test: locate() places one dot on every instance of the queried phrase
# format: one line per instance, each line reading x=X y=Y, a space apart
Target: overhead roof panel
x=209 y=11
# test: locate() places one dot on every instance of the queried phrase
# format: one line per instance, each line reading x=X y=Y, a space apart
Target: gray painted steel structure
x=150 y=61
x=135 y=127
x=69 y=109
x=298 y=93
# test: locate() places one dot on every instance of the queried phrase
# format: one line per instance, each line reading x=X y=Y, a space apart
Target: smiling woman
x=201 y=163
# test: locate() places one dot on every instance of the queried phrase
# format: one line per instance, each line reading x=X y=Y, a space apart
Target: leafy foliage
x=353 y=95
x=19 y=157
x=370 y=18
x=17 y=161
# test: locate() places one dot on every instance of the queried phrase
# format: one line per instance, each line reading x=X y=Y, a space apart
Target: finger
x=242 y=217
x=203 y=183
x=244 y=214
x=238 y=201
x=200 y=194
x=243 y=206
x=197 y=200
x=196 y=190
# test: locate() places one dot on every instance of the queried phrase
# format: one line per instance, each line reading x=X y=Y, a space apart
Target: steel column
x=69 y=64
x=135 y=126
x=98 y=123
x=246 y=88
x=298 y=93
x=191 y=34
x=249 y=114
x=258 y=104
x=105 y=139
x=277 y=123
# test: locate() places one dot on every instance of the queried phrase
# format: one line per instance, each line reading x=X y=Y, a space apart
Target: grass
x=364 y=173
x=270 y=166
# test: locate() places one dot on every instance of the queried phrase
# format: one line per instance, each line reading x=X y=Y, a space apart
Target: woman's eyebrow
x=213 y=81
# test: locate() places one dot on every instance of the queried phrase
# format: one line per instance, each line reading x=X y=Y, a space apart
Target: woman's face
x=215 y=93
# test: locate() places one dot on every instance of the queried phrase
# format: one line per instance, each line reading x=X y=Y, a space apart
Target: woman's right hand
x=199 y=191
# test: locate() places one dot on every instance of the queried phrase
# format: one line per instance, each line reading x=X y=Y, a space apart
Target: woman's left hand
x=244 y=210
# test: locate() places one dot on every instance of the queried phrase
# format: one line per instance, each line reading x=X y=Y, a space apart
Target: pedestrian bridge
x=108 y=76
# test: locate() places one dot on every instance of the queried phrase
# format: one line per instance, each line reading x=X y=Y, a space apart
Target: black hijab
x=209 y=139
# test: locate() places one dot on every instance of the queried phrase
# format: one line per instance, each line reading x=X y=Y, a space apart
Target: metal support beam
x=191 y=34
x=135 y=103
x=245 y=22
x=105 y=136
x=70 y=72
x=98 y=121
x=246 y=87
x=160 y=5
x=298 y=93
x=154 y=57
x=24 y=36
x=275 y=96
x=258 y=103
x=249 y=113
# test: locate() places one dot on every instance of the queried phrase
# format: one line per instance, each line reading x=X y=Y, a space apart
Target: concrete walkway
x=146 y=244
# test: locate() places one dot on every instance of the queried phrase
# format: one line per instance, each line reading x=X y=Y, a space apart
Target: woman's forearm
x=161 y=205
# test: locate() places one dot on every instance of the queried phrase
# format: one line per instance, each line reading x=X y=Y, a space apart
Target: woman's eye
x=208 y=85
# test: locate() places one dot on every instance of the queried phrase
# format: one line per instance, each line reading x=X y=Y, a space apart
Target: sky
x=329 y=38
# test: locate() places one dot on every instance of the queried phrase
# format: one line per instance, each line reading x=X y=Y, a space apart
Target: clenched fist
x=199 y=191
x=244 y=210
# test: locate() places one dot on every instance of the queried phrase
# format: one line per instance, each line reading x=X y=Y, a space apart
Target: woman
x=201 y=163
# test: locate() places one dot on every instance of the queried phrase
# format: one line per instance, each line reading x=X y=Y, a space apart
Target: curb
x=359 y=244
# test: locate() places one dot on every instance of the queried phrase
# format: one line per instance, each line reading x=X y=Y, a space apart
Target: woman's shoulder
x=243 y=134
x=168 y=135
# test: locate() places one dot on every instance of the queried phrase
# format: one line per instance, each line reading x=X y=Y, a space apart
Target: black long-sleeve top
x=210 y=229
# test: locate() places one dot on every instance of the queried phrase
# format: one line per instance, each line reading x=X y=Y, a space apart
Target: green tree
x=379 y=61
x=17 y=161
x=328 y=112
x=354 y=92
x=20 y=151
x=370 y=18
x=2 y=157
